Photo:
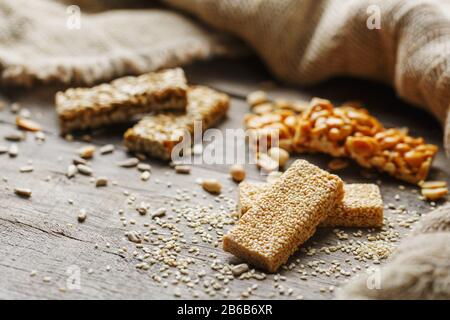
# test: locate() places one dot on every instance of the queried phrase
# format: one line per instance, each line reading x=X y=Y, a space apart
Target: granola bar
x=157 y=134
x=285 y=216
x=362 y=205
x=348 y=131
x=121 y=99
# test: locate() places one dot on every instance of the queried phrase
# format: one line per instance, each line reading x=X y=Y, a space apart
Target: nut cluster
x=346 y=131
x=394 y=152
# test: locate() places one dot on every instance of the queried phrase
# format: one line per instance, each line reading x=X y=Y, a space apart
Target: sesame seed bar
x=351 y=132
x=285 y=216
x=157 y=134
x=121 y=99
x=248 y=194
x=362 y=205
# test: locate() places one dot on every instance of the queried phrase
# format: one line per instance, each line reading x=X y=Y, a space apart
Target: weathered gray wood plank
x=42 y=233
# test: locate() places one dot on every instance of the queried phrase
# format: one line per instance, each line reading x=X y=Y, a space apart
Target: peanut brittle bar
x=395 y=152
x=362 y=205
x=279 y=124
x=323 y=128
x=285 y=216
x=157 y=134
x=348 y=131
x=121 y=99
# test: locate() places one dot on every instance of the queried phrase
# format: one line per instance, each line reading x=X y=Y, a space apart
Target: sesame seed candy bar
x=121 y=99
x=351 y=132
x=362 y=205
x=248 y=194
x=285 y=216
x=157 y=134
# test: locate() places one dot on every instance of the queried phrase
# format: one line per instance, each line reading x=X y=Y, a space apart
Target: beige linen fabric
x=36 y=46
x=301 y=41
x=307 y=41
x=419 y=268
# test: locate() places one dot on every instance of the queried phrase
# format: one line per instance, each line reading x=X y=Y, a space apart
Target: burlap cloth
x=419 y=268
x=301 y=42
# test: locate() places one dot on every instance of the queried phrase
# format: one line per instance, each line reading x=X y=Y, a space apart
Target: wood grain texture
x=42 y=233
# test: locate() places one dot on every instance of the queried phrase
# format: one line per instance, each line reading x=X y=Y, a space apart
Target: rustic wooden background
x=42 y=233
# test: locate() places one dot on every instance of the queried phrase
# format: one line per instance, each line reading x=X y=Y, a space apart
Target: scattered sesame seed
x=23 y=192
x=106 y=149
x=86 y=152
x=26 y=169
x=71 y=171
x=101 y=182
x=13 y=150
x=129 y=163
x=83 y=169
x=182 y=169
x=145 y=175
x=82 y=215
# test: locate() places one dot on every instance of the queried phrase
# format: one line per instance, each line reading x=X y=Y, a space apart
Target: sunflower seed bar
x=285 y=216
x=157 y=134
x=121 y=99
x=362 y=205
x=348 y=131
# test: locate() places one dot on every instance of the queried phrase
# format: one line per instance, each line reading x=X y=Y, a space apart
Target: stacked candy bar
x=174 y=109
x=362 y=205
x=285 y=216
x=156 y=135
x=121 y=99
x=278 y=217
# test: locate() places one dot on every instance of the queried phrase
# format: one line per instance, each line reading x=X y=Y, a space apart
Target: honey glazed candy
x=347 y=131
x=156 y=135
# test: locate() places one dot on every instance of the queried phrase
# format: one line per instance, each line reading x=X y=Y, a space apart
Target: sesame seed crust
x=157 y=134
x=248 y=194
x=362 y=205
x=285 y=216
x=121 y=99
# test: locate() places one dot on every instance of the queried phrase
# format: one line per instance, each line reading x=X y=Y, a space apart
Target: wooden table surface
x=41 y=235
